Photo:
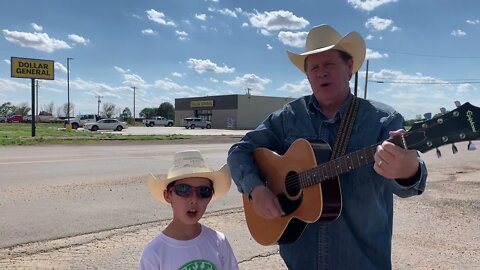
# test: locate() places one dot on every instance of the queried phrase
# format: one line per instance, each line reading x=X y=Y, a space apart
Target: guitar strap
x=346 y=127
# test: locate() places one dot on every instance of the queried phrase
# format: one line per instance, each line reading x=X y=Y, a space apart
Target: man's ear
x=166 y=196
x=350 y=67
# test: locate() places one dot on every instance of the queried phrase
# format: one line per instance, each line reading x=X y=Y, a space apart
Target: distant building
x=229 y=111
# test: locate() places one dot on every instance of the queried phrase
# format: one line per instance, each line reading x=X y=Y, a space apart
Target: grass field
x=21 y=134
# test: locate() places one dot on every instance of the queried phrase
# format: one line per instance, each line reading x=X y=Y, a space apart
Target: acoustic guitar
x=306 y=181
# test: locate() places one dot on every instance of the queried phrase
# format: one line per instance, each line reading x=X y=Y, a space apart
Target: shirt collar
x=315 y=107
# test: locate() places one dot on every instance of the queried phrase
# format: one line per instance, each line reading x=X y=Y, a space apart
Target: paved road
x=62 y=190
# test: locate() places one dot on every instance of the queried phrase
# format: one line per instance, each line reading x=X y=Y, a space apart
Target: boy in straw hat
x=359 y=232
x=185 y=243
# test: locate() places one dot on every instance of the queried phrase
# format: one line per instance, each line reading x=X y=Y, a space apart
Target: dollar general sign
x=32 y=68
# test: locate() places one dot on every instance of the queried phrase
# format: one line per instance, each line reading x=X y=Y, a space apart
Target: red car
x=16 y=118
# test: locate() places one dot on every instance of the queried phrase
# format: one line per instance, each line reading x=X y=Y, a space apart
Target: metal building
x=229 y=111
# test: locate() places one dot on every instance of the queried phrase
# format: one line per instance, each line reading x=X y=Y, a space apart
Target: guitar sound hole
x=292 y=185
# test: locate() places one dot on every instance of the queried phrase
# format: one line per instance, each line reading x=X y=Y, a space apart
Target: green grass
x=21 y=134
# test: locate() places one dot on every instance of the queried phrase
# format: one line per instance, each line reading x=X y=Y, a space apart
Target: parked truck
x=82 y=119
x=158 y=121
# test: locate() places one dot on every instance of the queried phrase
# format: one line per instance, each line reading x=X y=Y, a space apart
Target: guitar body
x=301 y=205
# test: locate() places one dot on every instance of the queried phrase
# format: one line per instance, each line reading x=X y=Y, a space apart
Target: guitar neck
x=337 y=167
x=343 y=164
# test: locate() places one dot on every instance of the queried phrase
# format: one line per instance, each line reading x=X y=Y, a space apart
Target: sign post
x=33 y=69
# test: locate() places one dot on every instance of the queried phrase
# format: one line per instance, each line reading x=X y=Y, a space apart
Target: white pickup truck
x=82 y=119
x=158 y=121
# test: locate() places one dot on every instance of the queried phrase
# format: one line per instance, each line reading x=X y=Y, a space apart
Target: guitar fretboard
x=337 y=166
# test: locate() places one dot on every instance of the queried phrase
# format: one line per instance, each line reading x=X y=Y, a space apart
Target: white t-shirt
x=209 y=250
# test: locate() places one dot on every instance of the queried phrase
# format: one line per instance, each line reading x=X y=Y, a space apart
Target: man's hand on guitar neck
x=394 y=162
x=265 y=203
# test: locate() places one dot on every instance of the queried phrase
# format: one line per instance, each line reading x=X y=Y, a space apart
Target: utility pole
x=68 y=89
x=98 y=105
x=366 y=81
x=133 y=87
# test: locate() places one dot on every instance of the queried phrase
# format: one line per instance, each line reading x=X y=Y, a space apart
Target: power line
x=426 y=55
x=420 y=82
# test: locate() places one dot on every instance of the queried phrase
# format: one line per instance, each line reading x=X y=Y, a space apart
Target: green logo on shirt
x=198 y=265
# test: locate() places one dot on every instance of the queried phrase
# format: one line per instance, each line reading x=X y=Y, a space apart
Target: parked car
x=3 y=119
x=193 y=122
x=106 y=124
x=15 y=118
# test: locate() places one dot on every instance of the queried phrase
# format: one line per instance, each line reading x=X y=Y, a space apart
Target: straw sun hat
x=322 y=38
x=188 y=164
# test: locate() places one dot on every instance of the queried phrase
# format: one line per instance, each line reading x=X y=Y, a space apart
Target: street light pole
x=134 y=104
x=68 y=89
x=98 y=105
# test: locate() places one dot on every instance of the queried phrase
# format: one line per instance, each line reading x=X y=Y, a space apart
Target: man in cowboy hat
x=360 y=237
x=185 y=243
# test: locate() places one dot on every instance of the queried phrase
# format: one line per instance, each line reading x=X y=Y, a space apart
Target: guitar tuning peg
x=471 y=146
x=454 y=148
x=443 y=110
x=457 y=103
x=439 y=154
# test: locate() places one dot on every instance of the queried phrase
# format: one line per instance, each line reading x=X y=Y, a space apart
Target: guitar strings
x=298 y=180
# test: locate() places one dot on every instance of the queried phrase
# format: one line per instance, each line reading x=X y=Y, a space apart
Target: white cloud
x=78 y=39
x=252 y=81
x=7 y=61
x=369 y=5
x=131 y=79
x=465 y=88
x=202 y=66
x=37 y=27
x=159 y=17
x=59 y=67
x=227 y=12
x=458 y=33
x=270 y=47
x=378 y=24
x=11 y=85
x=265 y=32
x=182 y=35
x=176 y=74
x=474 y=22
x=37 y=41
x=277 y=20
x=149 y=32
x=303 y=87
x=294 y=39
x=169 y=85
x=201 y=17
x=371 y=54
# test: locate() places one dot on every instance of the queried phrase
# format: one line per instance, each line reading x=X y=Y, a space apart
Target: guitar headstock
x=461 y=124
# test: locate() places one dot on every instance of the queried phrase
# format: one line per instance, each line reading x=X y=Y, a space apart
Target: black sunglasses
x=185 y=190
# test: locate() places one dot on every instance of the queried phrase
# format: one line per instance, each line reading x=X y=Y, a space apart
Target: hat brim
x=353 y=44
x=221 y=182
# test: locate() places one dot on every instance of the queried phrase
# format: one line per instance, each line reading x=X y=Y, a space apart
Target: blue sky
x=425 y=52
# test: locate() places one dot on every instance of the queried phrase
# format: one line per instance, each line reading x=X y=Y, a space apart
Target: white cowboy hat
x=322 y=38
x=191 y=164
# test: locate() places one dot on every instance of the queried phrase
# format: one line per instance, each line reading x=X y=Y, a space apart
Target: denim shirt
x=361 y=237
